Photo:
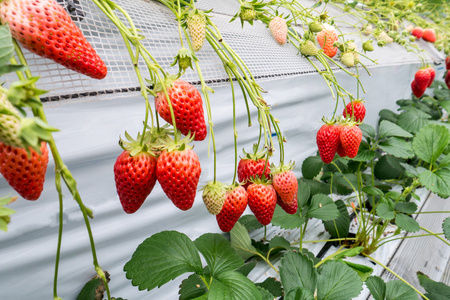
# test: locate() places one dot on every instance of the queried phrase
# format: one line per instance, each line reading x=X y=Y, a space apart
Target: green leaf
x=385 y=212
x=6 y=45
x=299 y=294
x=250 y=222
x=3 y=224
x=397 y=147
x=445 y=105
x=445 y=162
x=218 y=253
x=406 y=223
x=311 y=167
x=397 y=290
x=412 y=120
x=162 y=257
x=377 y=287
x=339 y=227
x=279 y=242
x=373 y=191
x=430 y=142
x=410 y=170
x=297 y=270
x=286 y=221
x=303 y=194
x=363 y=271
x=386 y=114
x=344 y=183
x=388 y=167
x=323 y=208
x=89 y=289
x=315 y=187
x=367 y=130
x=12 y=68
x=437 y=182
x=265 y=294
x=241 y=242
x=233 y=285
x=337 y=281
x=364 y=153
x=192 y=287
x=272 y=285
x=406 y=207
x=436 y=290
x=4 y=211
x=349 y=253
x=446 y=228
x=388 y=129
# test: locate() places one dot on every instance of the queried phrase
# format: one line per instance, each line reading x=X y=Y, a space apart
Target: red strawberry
x=45 y=28
x=187 y=107
x=178 y=172
x=278 y=29
x=340 y=150
x=236 y=200
x=417 y=32
x=447 y=79
x=447 y=63
x=327 y=140
x=135 y=178
x=415 y=89
x=351 y=137
x=326 y=38
x=252 y=165
x=262 y=199
x=356 y=109
x=285 y=183
x=422 y=79
x=432 y=75
x=24 y=174
x=429 y=35
x=289 y=208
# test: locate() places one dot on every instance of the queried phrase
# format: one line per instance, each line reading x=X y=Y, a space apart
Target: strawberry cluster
x=422 y=80
x=428 y=34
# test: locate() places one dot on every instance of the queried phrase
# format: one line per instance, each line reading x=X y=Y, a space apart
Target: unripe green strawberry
x=308 y=48
x=262 y=200
x=278 y=29
x=247 y=14
x=214 y=196
x=9 y=123
x=350 y=138
x=236 y=200
x=348 y=59
x=354 y=49
x=367 y=46
x=315 y=26
x=196 y=23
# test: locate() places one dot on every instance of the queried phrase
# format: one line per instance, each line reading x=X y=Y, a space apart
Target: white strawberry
x=9 y=123
x=278 y=28
x=196 y=23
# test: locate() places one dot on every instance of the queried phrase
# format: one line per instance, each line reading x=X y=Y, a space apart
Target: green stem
x=429 y=231
x=339 y=251
x=330 y=240
x=60 y=232
x=407 y=237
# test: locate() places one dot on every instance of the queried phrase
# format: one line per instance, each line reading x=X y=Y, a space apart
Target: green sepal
x=34 y=130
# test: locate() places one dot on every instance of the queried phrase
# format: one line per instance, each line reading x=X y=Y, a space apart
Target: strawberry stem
x=60 y=232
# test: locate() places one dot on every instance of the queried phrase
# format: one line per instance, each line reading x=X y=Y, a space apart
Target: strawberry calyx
x=282 y=168
x=257 y=154
x=260 y=180
x=33 y=131
x=177 y=145
x=184 y=59
x=138 y=145
x=167 y=82
x=332 y=121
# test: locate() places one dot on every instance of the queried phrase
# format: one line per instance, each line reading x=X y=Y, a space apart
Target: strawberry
x=355 y=109
x=447 y=63
x=315 y=26
x=278 y=29
x=252 y=165
x=247 y=14
x=429 y=35
x=422 y=79
x=348 y=59
x=178 y=172
x=340 y=150
x=327 y=140
x=447 y=79
x=10 y=123
x=285 y=183
x=350 y=137
x=415 y=89
x=384 y=38
x=351 y=46
x=417 y=32
x=289 y=208
x=236 y=200
x=135 y=177
x=24 y=173
x=432 y=75
x=308 y=48
x=214 y=196
x=187 y=107
x=262 y=199
x=326 y=38
x=196 y=24
x=46 y=29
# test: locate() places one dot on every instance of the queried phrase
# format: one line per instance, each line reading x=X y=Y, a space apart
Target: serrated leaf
x=344 y=183
x=386 y=114
x=246 y=268
x=367 y=130
x=446 y=228
x=299 y=294
x=445 y=105
x=323 y=208
x=377 y=287
x=315 y=187
x=445 y=162
x=303 y=194
x=397 y=290
x=430 y=142
x=286 y=221
x=311 y=167
x=337 y=281
x=339 y=227
x=373 y=191
x=241 y=242
x=218 y=253
x=412 y=120
x=162 y=257
x=233 y=285
x=88 y=290
x=388 y=167
x=410 y=170
x=434 y=288
x=279 y=242
x=388 y=129
x=297 y=270
x=437 y=182
x=192 y=287
x=272 y=285
x=385 y=212
x=364 y=153
x=250 y=222
x=6 y=45
x=397 y=147
x=406 y=223
x=5 y=211
x=349 y=253
x=265 y=294
x=363 y=271
x=405 y=207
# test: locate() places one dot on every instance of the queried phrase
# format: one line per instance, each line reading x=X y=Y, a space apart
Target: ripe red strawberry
x=356 y=109
x=326 y=38
x=285 y=183
x=327 y=140
x=429 y=35
x=262 y=199
x=46 y=29
x=340 y=150
x=236 y=200
x=24 y=174
x=417 y=32
x=252 y=167
x=278 y=29
x=422 y=79
x=351 y=137
x=187 y=107
x=214 y=194
x=432 y=75
x=447 y=79
x=288 y=208
x=447 y=63
x=178 y=172
x=135 y=177
x=415 y=89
